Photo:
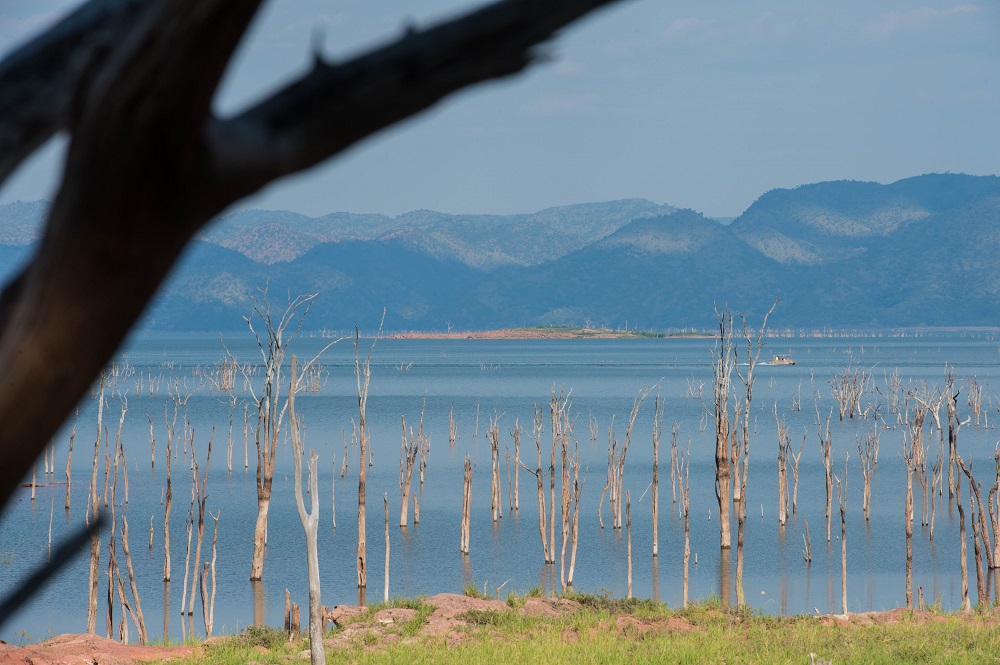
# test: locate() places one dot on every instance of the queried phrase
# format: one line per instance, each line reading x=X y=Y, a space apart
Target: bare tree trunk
x=741 y=442
x=310 y=521
x=273 y=343
x=628 y=529
x=655 y=488
x=385 y=580
x=575 y=530
x=69 y=463
x=795 y=474
x=979 y=532
x=548 y=552
x=683 y=477
x=452 y=427
x=562 y=430
x=201 y=497
x=463 y=545
x=516 y=434
x=723 y=367
x=993 y=500
x=92 y=507
x=866 y=454
x=784 y=445
x=140 y=620
x=963 y=555
x=408 y=452
x=826 y=448
x=496 y=493
x=171 y=433
x=363 y=374
x=908 y=516
x=842 y=500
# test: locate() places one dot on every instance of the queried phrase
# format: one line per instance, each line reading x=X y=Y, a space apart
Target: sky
x=698 y=104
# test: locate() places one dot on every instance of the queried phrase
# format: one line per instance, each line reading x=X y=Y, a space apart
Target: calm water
x=481 y=379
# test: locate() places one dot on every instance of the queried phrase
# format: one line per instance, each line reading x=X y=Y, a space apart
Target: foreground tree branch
x=148 y=165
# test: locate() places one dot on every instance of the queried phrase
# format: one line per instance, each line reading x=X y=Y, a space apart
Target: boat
x=782 y=360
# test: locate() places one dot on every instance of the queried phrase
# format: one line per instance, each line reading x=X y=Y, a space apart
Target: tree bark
x=148 y=164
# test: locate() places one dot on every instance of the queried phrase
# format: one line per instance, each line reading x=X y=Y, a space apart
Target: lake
x=481 y=379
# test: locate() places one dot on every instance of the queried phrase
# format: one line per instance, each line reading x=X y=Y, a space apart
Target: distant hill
x=921 y=251
x=480 y=241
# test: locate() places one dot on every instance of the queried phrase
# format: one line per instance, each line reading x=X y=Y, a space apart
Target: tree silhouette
x=148 y=164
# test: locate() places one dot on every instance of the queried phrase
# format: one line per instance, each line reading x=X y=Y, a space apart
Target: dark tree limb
x=148 y=165
x=39 y=79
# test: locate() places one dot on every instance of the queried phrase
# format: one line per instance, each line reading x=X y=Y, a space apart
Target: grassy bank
x=598 y=630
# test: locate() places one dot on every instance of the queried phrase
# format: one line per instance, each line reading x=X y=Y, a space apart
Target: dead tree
x=470 y=467
x=628 y=530
x=842 y=500
x=724 y=360
x=993 y=501
x=516 y=435
x=674 y=463
x=784 y=448
x=826 y=449
x=179 y=401
x=617 y=459
x=408 y=451
x=794 y=466
x=924 y=404
x=741 y=442
x=452 y=427
x=684 y=474
x=655 y=491
x=69 y=463
x=137 y=615
x=310 y=520
x=610 y=479
x=848 y=388
x=867 y=447
x=200 y=489
x=272 y=343
x=92 y=508
x=569 y=460
x=496 y=492
x=575 y=526
x=909 y=460
x=974 y=400
x=548 y=547
x=979 y=532
x=385 y=578
x=963 y=551
x=954 y=425
x=208 y=597
x=363 y=374
x=937 y=480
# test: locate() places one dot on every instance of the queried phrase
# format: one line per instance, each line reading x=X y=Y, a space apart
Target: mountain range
x=918 y=252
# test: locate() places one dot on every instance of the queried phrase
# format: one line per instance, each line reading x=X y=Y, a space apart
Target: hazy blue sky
x=697 y=104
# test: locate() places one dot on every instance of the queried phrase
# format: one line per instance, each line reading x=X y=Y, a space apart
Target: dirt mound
x=87 y=650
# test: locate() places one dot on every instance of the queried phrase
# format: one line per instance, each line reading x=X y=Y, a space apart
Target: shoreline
x=565 y=626
x=548 y=333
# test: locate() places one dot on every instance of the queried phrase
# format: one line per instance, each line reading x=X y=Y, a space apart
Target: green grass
x=705 y=632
